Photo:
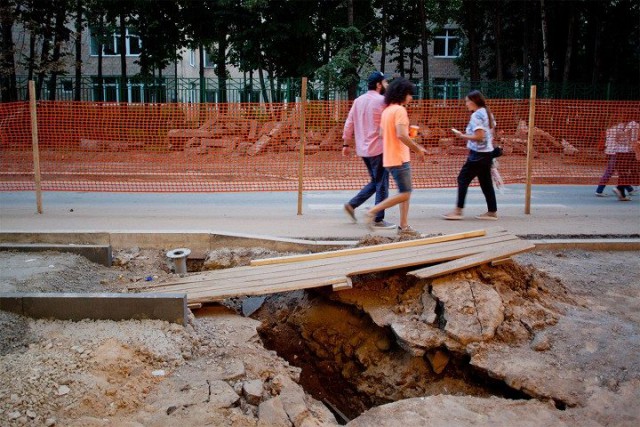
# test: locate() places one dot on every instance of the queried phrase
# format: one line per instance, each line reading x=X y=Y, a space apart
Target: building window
x=209 y=60
x=192 y=57
x=446 y=44
x=446 y=89
x=111 y=44
x=111 y=90
x=67 y=85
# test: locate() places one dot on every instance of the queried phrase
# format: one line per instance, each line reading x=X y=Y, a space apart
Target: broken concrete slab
x=97 y=306
x=472 y=309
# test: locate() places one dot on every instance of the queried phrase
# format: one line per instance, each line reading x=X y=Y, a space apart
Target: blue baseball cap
x=376 y=77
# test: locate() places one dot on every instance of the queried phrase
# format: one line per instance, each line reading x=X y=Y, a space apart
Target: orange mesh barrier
x=88 y=146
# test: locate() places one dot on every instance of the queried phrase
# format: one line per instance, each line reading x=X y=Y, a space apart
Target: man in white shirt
x=363 y=126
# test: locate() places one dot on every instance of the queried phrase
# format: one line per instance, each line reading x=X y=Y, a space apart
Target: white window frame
x=192 y=57
x=449 y=34
x=115 y=35
x=116 y=87
x=445 y=84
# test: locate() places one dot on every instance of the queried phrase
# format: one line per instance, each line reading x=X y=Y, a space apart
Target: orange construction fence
x=88 y=146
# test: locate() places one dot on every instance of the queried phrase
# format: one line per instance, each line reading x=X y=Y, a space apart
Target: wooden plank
x=332 y=264
x=221 y=295
x=503 y=251
x=34 y=145
x=367 y=249
x=382 y=262
x=348 y=284
x=217 y=291
x=500 y=261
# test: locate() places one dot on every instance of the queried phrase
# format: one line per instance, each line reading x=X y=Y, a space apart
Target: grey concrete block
x=100 y=254
x=80 y=238
x=97 y=306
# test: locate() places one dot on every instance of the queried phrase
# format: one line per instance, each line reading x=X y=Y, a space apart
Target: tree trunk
x=545 y=42
x=597 y=60
x=61 y=18
x=8 y=65
x=383 y=37
x=44 y=62
x=567 y=56
x=353 y=85
x=526 y=74
x=123 y=59
x=221 y=67
x=78 y=64
x=401 y=56
x=497 y=26
x=100 y=46
x=201 y=72
x=424 y=48
x=470 y=19
x=31 y=63
x=263 y=86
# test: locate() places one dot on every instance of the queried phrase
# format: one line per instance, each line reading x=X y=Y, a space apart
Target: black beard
x=382 y=90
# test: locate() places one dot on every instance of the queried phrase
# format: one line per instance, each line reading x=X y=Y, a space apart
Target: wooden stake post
x=532 y=115
x=34 y=144
x=303 y=104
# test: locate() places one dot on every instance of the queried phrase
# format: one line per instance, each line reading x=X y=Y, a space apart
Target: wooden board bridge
x=432 y=257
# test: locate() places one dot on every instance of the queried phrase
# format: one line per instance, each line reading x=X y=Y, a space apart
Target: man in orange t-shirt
x=396 y=152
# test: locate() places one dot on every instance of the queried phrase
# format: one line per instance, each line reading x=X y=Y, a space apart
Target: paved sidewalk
x=556 y=210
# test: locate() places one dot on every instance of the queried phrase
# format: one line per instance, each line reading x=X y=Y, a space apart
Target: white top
x=480 y=120
x=618 y=139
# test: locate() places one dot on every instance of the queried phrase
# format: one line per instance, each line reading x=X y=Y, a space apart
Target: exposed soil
x=553 y=338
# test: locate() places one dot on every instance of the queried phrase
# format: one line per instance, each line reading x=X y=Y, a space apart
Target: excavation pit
x=351 y=355
x=569 y=339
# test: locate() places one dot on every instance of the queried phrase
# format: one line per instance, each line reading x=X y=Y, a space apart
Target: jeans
x=379 y=184
x=477 y=165
x=402 y=176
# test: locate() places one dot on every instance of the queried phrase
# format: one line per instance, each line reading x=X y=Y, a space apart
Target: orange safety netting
x=86 y=146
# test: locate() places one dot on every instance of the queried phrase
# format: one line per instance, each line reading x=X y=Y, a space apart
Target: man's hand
x=346 y=151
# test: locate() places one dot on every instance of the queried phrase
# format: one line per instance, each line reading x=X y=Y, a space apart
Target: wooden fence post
x=34 y=144
x=532 y=115
x=303 y=105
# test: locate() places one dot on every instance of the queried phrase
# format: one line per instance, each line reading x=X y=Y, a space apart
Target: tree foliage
x=592 y=41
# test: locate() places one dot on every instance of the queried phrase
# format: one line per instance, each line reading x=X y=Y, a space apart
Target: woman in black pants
x=479 y=136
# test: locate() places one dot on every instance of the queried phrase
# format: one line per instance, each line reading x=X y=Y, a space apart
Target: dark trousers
x=477 y=165
x=611 y=168
x=628 y=171
x=379 y=184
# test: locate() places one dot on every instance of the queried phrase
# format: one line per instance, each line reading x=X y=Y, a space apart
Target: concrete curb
x=201 y=243
x=100 y=254
x=97 y=306
x=588 y=244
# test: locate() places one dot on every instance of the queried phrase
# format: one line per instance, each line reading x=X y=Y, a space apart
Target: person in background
x=362 y=125
x=396 y=154
x=479 y=136
x=626 y=163
x=616 y=142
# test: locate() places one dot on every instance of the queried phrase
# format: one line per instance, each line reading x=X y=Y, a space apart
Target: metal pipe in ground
x=179 y=258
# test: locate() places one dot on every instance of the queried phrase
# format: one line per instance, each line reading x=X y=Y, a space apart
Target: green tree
x=8 y=86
